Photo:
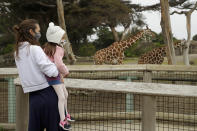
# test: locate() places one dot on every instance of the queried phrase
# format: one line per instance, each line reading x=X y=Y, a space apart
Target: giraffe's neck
x=129 y=42
x=178 y=44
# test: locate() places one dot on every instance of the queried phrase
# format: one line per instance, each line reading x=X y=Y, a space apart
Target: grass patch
x=134 y=60
x=194 y=61
x=130 y=61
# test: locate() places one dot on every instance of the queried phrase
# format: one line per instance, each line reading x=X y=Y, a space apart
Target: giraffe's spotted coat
x=156 y=56
x=114 y=54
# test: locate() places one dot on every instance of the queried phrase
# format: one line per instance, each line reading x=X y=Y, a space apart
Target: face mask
x=37 y=36
x=63 y=42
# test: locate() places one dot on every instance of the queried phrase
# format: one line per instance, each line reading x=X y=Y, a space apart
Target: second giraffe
x=156 y=56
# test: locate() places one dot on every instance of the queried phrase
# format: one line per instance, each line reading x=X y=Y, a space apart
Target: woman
x=33 y=65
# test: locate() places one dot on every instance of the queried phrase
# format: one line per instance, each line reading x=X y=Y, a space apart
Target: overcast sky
x=178 y=22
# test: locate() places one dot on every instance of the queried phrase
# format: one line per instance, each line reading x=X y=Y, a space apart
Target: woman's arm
x=45 y=65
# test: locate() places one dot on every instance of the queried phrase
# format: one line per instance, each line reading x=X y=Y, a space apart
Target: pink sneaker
x=70 y=118
x=65 y=125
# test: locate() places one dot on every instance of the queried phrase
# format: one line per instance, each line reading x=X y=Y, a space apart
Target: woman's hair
x=50 y=48
x=22 y=33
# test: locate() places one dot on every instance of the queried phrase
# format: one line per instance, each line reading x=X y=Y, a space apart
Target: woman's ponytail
x=16 y=28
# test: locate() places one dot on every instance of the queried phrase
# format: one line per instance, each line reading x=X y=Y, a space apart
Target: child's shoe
x=65 y=125
x=70 y=118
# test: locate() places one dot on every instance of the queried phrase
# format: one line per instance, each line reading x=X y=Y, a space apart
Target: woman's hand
x=66 y=75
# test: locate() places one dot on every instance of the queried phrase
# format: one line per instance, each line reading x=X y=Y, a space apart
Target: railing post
x=148 y=107
x=129 y=101
x=11 y=100
x=129 y=96
x=22 y=109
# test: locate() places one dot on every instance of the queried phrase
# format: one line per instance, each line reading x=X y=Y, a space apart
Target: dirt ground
x=179 y=59
x=129 y=126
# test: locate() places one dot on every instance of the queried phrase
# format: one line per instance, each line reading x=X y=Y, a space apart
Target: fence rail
x=148 y=91
x=146 y=67
x=109 y=101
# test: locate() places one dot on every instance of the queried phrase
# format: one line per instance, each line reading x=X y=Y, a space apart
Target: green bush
x=157 y=44
x=105 y=38
x=139 y=48
x=9 y=48
x=5 y=45
x=1 y=129
x=194 y=37
x=131 y=52
x=87 y=50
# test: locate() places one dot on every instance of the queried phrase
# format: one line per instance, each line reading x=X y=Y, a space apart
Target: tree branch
x=195 y=6
x=157 y=6
x=126 y=30
x=176 y=12
x=181 y=8
x=53 y=5
x=44 y=4
x=185 y=12
x=173 y=3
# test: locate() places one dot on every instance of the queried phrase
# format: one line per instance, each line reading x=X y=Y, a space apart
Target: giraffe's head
x=180 y=44
x=148 y=32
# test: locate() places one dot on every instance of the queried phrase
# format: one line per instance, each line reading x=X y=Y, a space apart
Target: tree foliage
x=156 y=7
x=194 y=37
x=87 y=50
x=105 y=38
x=82 y=18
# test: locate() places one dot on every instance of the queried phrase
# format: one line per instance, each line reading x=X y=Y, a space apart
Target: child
x=54 y=50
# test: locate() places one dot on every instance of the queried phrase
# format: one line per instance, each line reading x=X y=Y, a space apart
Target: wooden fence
x=148 y=90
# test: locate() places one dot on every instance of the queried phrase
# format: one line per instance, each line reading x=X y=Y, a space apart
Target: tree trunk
x=186 y=56
x=68 y=49
x=115 y=33
x=188 y=26
x=166 y=30
x=187 y=44
x=126 y=30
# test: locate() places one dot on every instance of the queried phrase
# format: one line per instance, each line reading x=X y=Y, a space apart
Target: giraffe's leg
x=98 y=63
x=120 y=60
x=98 y=59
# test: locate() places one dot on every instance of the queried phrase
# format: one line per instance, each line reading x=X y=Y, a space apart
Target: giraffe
x=114 y=54
x=156 y=56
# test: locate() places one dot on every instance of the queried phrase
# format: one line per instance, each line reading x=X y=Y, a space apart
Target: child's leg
x=66 y=97
x=68 y=117
x=59 y=89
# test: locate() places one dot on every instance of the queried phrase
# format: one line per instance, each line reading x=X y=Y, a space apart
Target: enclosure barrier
x=149 y=96
x=8 y=75
x=149 y=91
